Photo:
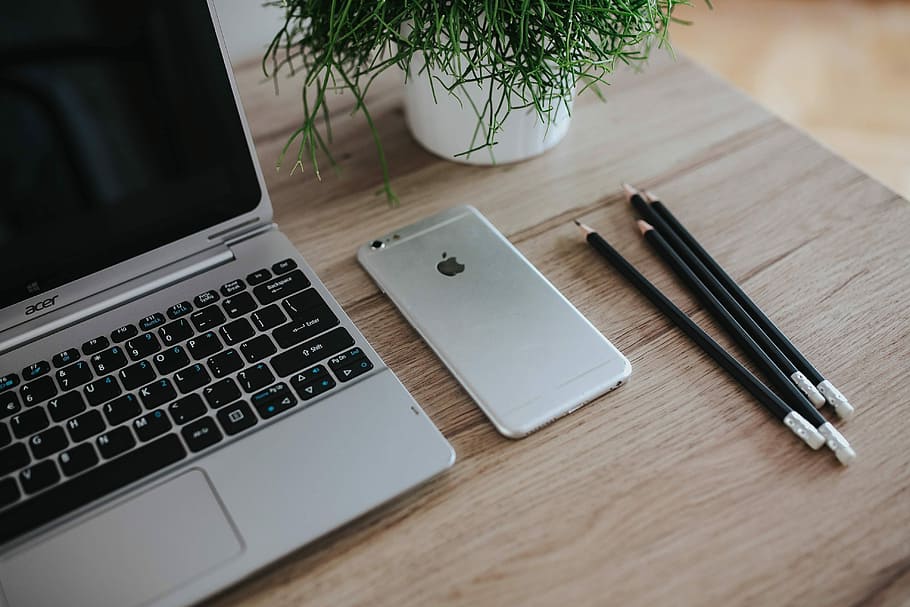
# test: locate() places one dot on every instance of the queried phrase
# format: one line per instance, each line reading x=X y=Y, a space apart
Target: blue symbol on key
x=271 y=408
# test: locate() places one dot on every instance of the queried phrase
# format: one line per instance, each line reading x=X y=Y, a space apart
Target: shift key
x=312 y=351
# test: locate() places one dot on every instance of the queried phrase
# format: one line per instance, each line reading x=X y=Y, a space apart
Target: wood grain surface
x=678 y=488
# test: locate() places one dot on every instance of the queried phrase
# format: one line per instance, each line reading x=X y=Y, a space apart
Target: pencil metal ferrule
x=841 y=405
x=802 y=382
x=804 y=430
x=837 y=443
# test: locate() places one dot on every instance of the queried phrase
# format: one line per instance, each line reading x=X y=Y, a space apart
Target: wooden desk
x=678 y=488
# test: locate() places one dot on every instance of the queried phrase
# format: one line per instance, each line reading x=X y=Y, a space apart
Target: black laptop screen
x=118 y=134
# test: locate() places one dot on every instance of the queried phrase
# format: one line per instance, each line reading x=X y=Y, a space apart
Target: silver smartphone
x=520 y=349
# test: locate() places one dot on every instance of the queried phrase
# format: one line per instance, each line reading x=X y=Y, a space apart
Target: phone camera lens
x=377 y=244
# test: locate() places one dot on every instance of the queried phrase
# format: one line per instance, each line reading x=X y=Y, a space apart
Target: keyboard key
x=74 y=375
x=85 y=426
x=142 y=346
x=225 y=363
x=237 y=331
x=255 y=377
x=78 y=459
x=95 y=483
x=102 y=390
x=239 y=304
x=273 y=400
x=281 y=287
x=37 y=391
x=152 y=321
x=201 y=434
x=136 y=375
x=221 y=393
x=40 y=476
x=12 y=458
x=171 y=359
x=156 y=394
x=258 y=276
x=204 y=299
x=313 y=388
x=95 y=345
x=28 y=422
x=345 y=358
x=9 y=492
x=236 y=418
x=305 y=326
x=312 y=382
x=66 y=406
x=232 y=288
x=7 y=382
x=299 y=305
x=115 y=442
x=125 y=332
x=356 y=368
x=284 y=266
x=64 y=358
x=257 y=348
x=48 y=442
x=312 y=351
x=193 y=377
x=268 y=317
x=151 y=425
x=36 y=370
x=204 y=345
x=9 y=404
x=187 y=409
x=178 y=310
x=109 y=360
x=5 y=436
x=207 y=318
x=175 y=332
x=122 y=409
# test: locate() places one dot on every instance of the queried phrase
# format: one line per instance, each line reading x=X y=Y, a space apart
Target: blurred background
x=839 y=69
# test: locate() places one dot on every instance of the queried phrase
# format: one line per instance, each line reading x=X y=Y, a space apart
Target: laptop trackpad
x=128 y=555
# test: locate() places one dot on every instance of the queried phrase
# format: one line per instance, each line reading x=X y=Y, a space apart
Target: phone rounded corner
x=506 y=428
x=626 y=372
x=452 y=456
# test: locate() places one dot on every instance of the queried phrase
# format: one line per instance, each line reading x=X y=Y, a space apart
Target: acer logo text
x=41 y=305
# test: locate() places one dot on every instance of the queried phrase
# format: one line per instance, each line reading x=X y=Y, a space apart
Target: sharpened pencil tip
x=629 y=190
x=644 y=226
x=585 y=229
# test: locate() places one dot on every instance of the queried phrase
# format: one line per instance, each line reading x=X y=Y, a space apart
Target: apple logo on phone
x=449 y=266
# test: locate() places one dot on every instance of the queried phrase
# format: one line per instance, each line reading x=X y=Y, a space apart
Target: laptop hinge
x=98 y=303
x=232 y=239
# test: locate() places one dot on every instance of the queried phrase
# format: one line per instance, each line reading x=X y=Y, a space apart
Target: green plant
x=536 y=49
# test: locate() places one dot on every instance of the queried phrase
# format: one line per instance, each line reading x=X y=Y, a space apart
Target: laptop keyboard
x=122 y=406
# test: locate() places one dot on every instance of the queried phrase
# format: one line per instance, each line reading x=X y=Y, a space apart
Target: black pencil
x=832 y=395
x=729 y=303
x=790 y=394
x=777 y=407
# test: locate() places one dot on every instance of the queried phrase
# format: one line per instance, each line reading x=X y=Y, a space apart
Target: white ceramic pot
x=448 y=127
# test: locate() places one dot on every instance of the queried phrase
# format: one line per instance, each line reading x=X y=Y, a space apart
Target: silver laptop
x=181 y=399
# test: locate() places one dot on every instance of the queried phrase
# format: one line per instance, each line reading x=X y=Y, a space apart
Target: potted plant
x=486 y=81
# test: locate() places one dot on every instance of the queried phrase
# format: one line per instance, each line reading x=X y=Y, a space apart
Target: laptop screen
x=118 y=134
